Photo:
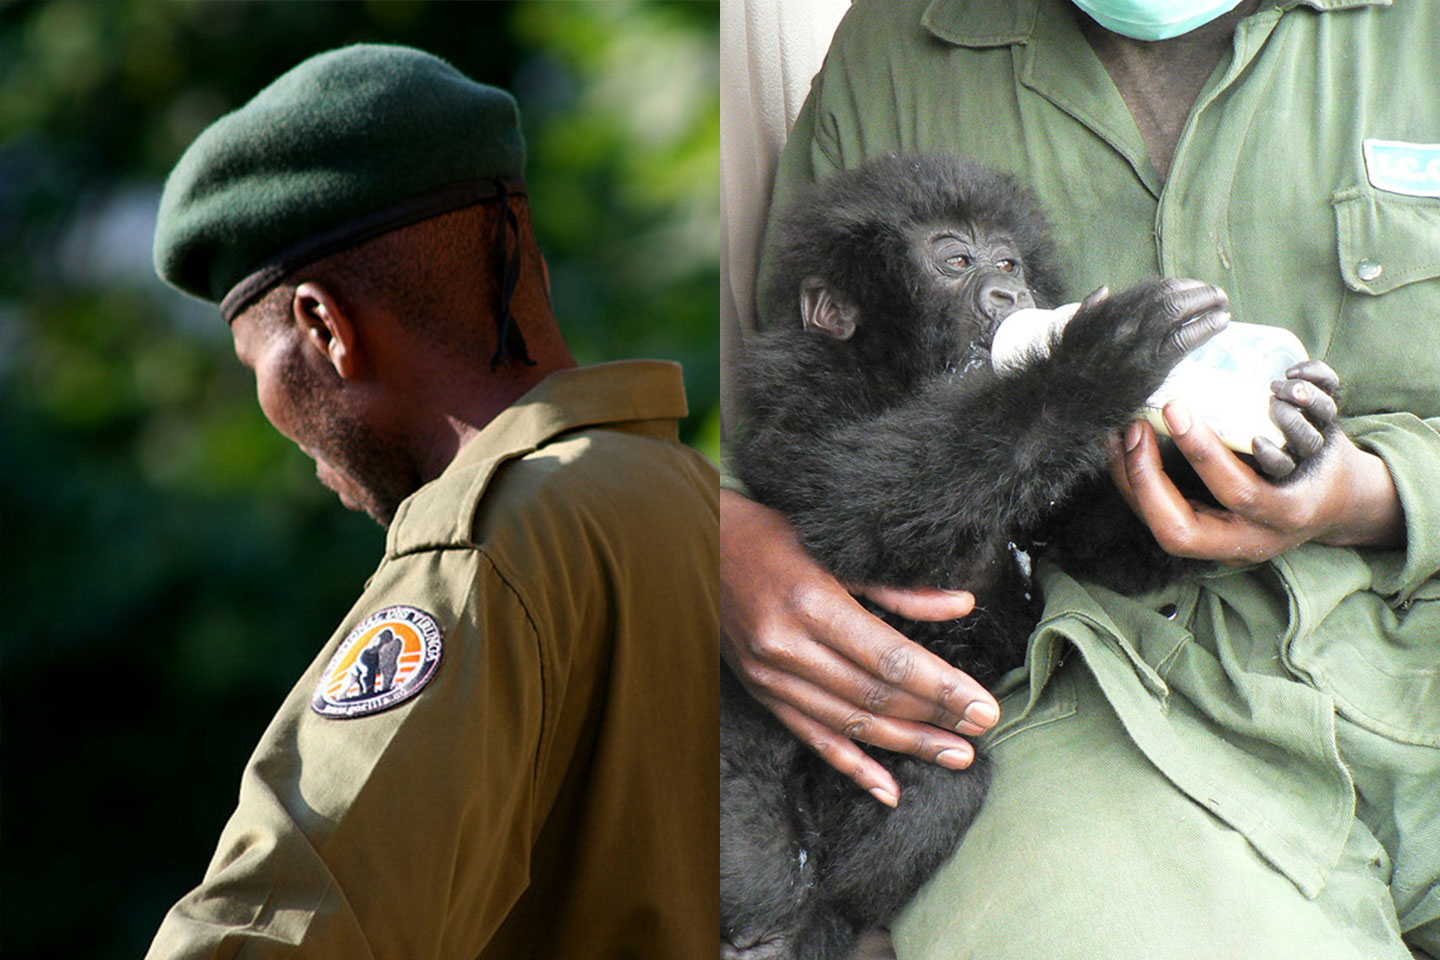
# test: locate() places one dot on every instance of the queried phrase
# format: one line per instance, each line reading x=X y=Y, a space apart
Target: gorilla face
x=978 y=273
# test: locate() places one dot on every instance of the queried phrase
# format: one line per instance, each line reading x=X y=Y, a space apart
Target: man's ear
x=328 y=326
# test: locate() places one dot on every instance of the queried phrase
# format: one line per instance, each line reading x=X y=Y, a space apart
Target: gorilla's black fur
x=874 y=421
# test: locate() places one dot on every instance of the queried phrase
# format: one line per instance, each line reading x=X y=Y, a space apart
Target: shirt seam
x=542 y=746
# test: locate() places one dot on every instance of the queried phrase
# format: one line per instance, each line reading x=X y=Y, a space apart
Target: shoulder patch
x=385 y=660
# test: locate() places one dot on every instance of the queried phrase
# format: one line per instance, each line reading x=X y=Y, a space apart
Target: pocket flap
x=1386 y=242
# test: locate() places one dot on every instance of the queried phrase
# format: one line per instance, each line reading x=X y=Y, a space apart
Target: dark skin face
x=381 y=410
x=304 y=394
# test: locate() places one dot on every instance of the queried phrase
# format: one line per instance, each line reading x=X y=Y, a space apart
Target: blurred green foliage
x=168 y=563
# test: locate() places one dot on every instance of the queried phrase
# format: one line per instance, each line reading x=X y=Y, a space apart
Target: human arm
x=831 y=671
x=345 y=841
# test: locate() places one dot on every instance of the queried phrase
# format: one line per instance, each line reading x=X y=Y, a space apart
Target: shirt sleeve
x=1410 y=447
x=404 y=832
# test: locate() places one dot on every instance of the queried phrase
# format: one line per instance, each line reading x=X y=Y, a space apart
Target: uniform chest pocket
x=1386 y=340
x=1386 y=241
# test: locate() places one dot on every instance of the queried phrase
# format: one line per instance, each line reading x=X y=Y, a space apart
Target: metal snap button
x=1169 y=611
x=1368 y=270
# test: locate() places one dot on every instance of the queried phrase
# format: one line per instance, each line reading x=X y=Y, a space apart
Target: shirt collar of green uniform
x=981 y=23
x=442 y=512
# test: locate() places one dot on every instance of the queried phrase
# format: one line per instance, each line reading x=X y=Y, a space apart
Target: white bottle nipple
x=1026 y=335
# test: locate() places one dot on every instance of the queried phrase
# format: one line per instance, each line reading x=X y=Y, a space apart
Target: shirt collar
x=976 y=23
x=581 y=397
x=442 y=512
x=985 y=23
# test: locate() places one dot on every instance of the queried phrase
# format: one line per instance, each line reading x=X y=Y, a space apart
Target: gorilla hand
x=1304 y=408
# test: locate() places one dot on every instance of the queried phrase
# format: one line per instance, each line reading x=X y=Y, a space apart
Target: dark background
x=168 y=564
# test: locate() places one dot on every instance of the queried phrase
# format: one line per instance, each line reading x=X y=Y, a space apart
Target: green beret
x=346 y=146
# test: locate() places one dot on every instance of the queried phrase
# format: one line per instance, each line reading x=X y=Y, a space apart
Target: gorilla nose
x=1000 y=297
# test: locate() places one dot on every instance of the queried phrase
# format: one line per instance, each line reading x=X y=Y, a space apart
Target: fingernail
x=982 y=714
x=1177 y=415
x=954 y=758
x=1132 y=435
x=884 y=796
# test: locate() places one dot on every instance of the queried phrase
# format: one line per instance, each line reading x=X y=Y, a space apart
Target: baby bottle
x=1225 y=381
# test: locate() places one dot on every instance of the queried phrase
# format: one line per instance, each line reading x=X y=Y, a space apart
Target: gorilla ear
x=826 y=310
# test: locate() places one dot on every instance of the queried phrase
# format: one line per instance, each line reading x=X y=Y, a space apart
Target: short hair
x=440 y=277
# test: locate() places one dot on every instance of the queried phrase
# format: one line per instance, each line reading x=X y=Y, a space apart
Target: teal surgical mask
x=1154 y=19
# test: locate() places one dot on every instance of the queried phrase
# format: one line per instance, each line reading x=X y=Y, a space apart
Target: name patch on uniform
x=386 y=660
x=1409 y=168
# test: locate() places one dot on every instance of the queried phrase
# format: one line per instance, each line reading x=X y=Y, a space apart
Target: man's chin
x=352 y=499
x=381 y=513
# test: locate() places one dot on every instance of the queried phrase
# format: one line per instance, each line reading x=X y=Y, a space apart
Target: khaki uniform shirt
x=550 y=789
x=1286 y=190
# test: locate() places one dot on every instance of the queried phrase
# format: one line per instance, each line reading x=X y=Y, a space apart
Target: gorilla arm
x=829 y=670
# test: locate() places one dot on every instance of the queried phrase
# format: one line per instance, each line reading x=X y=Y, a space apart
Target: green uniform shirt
x=551 y=790
x=1291 y=698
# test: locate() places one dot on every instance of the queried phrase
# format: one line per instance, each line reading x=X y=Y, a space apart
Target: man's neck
x=1159 y=80
x=467 y=416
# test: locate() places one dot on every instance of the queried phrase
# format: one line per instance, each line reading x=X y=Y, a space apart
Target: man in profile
x=508 y=746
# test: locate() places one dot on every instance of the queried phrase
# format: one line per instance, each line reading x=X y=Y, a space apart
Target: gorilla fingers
x=1303 y=406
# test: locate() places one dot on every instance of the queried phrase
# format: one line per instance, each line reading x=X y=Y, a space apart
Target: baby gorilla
x=874 y=421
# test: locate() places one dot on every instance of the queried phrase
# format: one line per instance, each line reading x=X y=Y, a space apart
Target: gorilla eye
x=959 y=260
x=1006 y=266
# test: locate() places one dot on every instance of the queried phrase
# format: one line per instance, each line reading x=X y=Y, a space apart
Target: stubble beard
x=373 y=473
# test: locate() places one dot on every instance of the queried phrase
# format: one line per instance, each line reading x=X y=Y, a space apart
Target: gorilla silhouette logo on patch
x=386 y=660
